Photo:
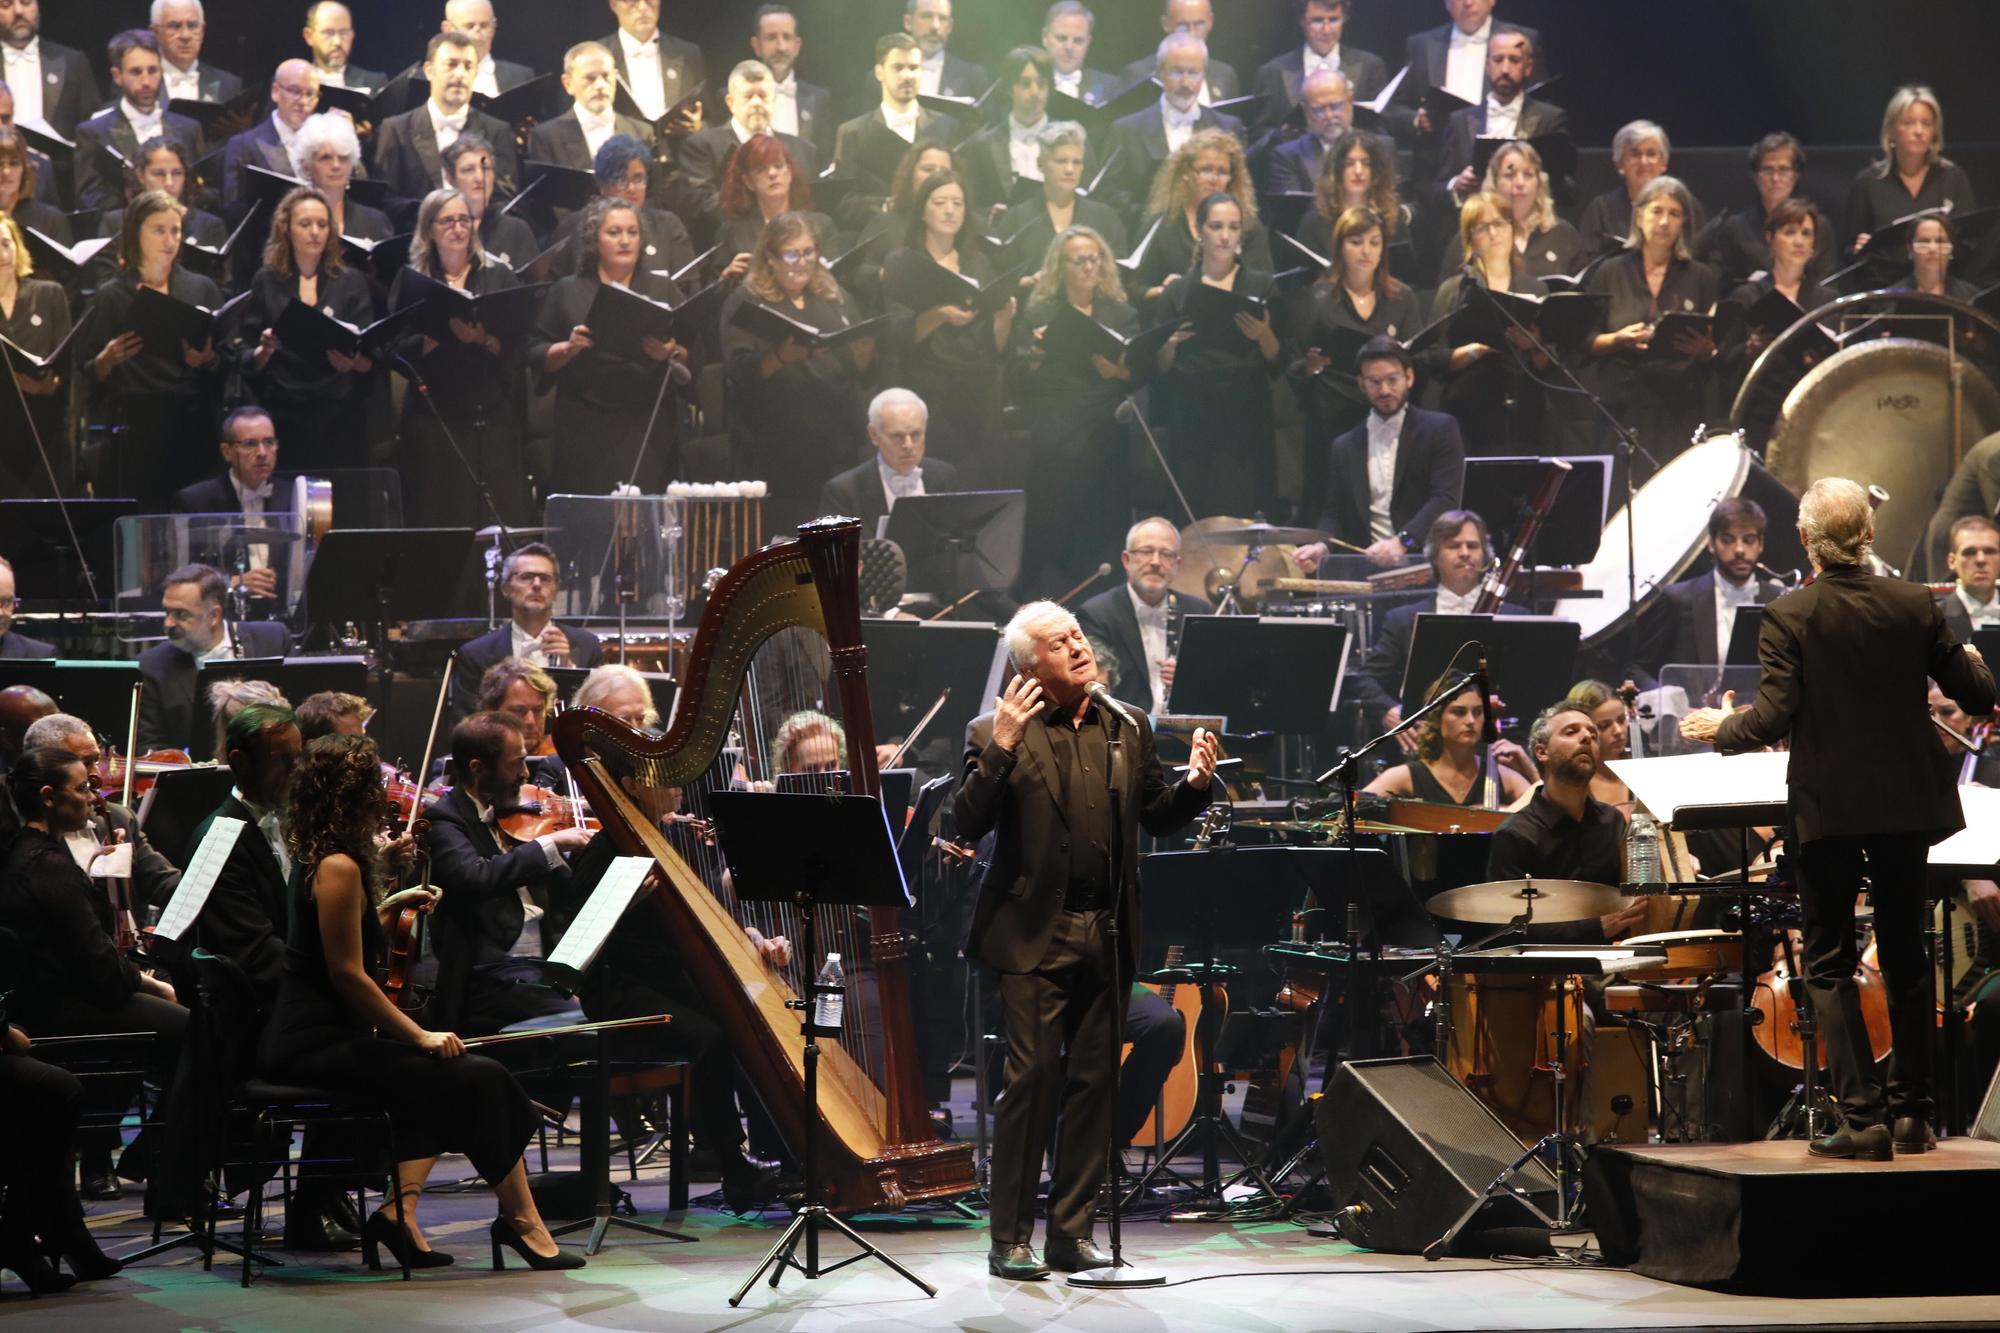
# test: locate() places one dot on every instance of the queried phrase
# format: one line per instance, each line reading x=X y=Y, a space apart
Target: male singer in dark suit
x=871 y=146
x=696 y=190
x=329 y=34
x=1292 y=166
x=800 y=108
x=572 y=139
x=294 y=94
x=1067 y=30
x=197 y=632
x=898 y=427
x=658 y=69
x=1451 y=55
x=1282 y=79
x=1506 y=113
x=1974 y=562
x=109 y=141
x=476 y=19
x=1695 y=617
x=1844 y=665
x=407 y=146
x=1143 y=653
x=1196 y=19
x=1036 y=775
x=530 y=581
x=1146 y=138
x=180 y=26
x=50 y=81
x=941 y=73
x=13 y=644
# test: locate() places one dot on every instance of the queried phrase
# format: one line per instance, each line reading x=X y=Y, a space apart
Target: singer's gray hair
x=1177 y=40
x=1020 y=632
x=54 y=731
x=895 y=398
x=1837 y=522
x=160 y=8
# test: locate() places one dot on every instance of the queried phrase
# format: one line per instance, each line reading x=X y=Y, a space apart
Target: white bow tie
x=259 y=493
x=456 y=122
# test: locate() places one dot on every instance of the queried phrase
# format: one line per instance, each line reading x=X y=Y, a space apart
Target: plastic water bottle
x=829 y=1006
x=1643 y=863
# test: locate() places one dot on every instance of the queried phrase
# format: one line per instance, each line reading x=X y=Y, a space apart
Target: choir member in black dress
x=326 y=155
x=34 y=316
x=883 y=231
x=1659 y=395
x=319 y=404
x=163 y=165
x=1486 y=386
x=1641 y=151
x=333 y=1027
x=1734 y=244
x=796 y=416
x=1080 y=473
x=469 y=169
x=1061 y=150
x=1213 y=392
x=1356 y=293
x=160 y=401
x=1913 y=173
x=947 y=355
x=1210 y=162
x=1446 y=770
x=473 y=382
x=1544 y=244
x=1794 y=238
x=20 y=174
x=761 y=181
x=1930 y=254
x=1360 y=172
x=621 y=168
x=607 y=397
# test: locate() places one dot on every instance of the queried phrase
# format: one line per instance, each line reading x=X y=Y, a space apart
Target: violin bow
x=430 y=741
x=918 y=730
x=132 y=744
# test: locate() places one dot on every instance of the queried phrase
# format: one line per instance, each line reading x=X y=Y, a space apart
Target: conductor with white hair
x=898 y=427
x=1845 y=661
x=1042 y=776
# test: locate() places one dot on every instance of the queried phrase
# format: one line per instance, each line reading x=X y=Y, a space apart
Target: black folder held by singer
x=620 y=319
x=776 y=327
x=918 y=282
x=430 y=306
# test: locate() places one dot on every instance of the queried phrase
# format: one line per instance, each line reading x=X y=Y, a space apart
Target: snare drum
x=1691 y=955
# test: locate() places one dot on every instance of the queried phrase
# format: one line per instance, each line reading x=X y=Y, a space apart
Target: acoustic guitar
x=1175 y=1104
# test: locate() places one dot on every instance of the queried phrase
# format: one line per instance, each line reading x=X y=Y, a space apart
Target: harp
x=877 y=1147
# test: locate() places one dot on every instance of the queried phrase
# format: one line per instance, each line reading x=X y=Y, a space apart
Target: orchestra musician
x=21 y=706
x=249 y=448
x=1607 y=710
x=1035 y=772
x=530 y=580
x=197 y=632
x=1139 y=622
x=1694 y=618
x=899 y=428
x=619 y=690
x=13 y=643
x=524 y=692
x=1974 y=562
x=334 y=1028
x=1845 y=661
x=332 y=713
x=1975 y=955
x=1446 y=768
x=153 y=877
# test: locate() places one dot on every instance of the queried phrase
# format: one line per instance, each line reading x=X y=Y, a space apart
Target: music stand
x=98 y=692
x=909 y=661
x=806 y=850
x=174 y=806
x=34 y=537
x=1500 y=489
x=1743 y=632
x=1276 y=674
x=962 y=542
x=1533 y=657
x=383 y=576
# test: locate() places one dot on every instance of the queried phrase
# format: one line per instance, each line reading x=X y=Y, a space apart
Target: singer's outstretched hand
x=1201 y=759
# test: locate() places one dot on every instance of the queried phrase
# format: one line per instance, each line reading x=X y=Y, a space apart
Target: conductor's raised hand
x=1202 y=755
x=1012 y=710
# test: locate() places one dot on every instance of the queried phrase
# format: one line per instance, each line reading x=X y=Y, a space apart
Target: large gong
x=1883 y=413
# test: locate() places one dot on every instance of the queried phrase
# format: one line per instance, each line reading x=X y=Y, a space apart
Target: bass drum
x=1670 y=530
x=312 y=500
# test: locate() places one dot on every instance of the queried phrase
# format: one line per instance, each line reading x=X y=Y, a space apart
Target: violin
x=141 y=772
x=537 y=811
x=405 y=937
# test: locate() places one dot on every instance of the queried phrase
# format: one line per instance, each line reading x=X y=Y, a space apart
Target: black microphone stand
x=55 y=487
x=485 y=492
x=1129 y=410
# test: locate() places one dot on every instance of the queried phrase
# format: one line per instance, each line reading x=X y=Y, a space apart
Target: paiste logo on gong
x=1899 y=402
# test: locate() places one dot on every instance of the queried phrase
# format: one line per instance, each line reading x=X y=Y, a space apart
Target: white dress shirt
x=487 y=80
x=596 y=129
x=1465 y=63
x=1180 y=124
x=286 y=134
x=1024 y=148
x=336 y=77
x=83 y=846
x=1982 y=613
x=255 y=502
x=896 y=485
x=225 y=649
x=785 y=105
x=1070 y=84
x=1314 y=63
x=1450 y=603
x=643 y=74
x=1383 y=434
x=145 y=124
x=529 y=943
x=1152 y=634
x=1729 y=596
x=271 y=825
x=903 y=123
x=930 y=74
x=22 y=68
x=447 y=127
x=1503 y=119
x=527 y=647
x=178 y=82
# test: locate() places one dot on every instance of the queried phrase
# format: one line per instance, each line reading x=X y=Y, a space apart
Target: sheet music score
x=1665 y=783
x=199 y=878
x=607 y=903
x=1978 y=843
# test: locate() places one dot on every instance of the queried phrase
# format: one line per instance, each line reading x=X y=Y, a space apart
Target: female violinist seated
x=333 y=1026
x=1445 y=769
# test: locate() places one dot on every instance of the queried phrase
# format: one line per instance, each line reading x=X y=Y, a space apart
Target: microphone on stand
x=1097 y=691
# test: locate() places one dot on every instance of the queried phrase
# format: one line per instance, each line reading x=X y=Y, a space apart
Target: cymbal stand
x=1802 y=1111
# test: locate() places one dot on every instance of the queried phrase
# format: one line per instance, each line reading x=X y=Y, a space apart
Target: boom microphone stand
x=485 y=492
x=55 y=487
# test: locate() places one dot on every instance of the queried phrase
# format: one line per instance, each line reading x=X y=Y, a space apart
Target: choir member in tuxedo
x=797 y=107
x=659 y=69
x=1795 y=238
x=1079 y=479
x=471 y=379
x=994 y=159
x=108 y=140
x=870 y=146
x=1061 y=149
x=1973 y=560
x=329 y=35
x=159 y=400
x=469 y=169
x=1360 y=173
x=326 y=155
x=1213 y=393
x=319 y=402
x=941 y=74
x=52 y=82
x=795 y=415
x=1641 y=152
x=762 y=182
x=949 y=355
x=1293 y=166
x=1506 y=112
x=1452 y=56
x=180 y=26
x=1136 y=624
x=1734 y=243
x=1544 y=244
x=1659 y=397
x=198 y=630
x=590 y=77
x=530 y=581
x=15 y=645
x=1912 y=174
x=249 y=450
x=267 y=144
x=898 y=427
x=162 y=164
x=696 y=189
x=616 y=412
x=1067 y=30
x=1486 y=387
x=408 y=147
x=1147 y=138
x=1210 y=162
x=1929 y=257
x=20 y=177
x=1196 y=19
x=476 y=19
x=34 y=316
x=1284 y=78
x=1356 y=293
x=621 y=171
x=882 y=230
x=1694 y=618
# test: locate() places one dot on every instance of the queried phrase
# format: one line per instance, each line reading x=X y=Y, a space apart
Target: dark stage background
x=1714 y=72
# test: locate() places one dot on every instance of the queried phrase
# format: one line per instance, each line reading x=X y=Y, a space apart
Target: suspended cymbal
x=1502 y=900
x=242 y=533
x=1263 y=534
x=1209 y=565
x=492 y=530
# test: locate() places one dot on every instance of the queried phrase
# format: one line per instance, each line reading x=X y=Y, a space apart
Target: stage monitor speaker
x=1407 y=1150
x=1986 y=1125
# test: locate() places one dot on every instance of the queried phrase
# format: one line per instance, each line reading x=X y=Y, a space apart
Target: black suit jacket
x=100 y=176
x=866 y=147
x=1292 y=167
x=1281 y=77
x=258 y=146
x=1426 y=53
x=1955 y=618
x=1430 y=473
x=1222 y=79
x=560 y=139
x=1140 y=140
x=245 y=917
x=1684 y=622
x=1845 y=660
x=18 y=645
x=1095 y=87
x=496 y=646
x=681 y=67
x=506 y=74
x=214 y=495
x=406 y=153
x=167 y=710
x=1015 y=797
x=1110 y=619
x=961 y=78
x=857 y=492
x=69 y=90
x=369 y=80
x=696 y=189
x=1376 y=683
x=817 y=122
x=217 y=85
x=1467 y=125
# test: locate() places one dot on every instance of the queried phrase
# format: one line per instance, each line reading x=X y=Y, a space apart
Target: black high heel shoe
x=79 y=1247
x=383 y=1230
x=503 y=1233
x=34 y=1271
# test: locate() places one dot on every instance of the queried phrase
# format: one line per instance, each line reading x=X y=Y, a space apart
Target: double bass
x=876 y=1144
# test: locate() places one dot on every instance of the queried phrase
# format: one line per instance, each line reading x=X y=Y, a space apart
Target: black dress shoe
x=1015 y=1261
x=748 y=1184
x=1869 y=1143
x=1074 y=1256
x=100 y=1185
x=306 y=1229
x=1912 y=1134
